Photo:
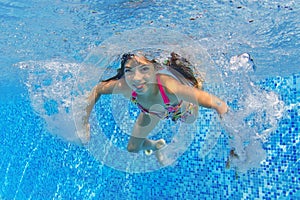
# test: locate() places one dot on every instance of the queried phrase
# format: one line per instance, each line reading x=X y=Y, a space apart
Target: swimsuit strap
x=133 y=95
x=162 y=91
x=134 y=100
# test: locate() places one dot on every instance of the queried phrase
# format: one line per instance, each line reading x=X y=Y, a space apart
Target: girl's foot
x=159 y=154
x=158 y=144
x=148 y=152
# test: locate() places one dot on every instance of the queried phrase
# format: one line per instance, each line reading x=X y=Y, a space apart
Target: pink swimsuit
x=171 y=112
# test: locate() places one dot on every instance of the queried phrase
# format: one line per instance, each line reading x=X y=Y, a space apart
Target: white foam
x=51 y=89
x=255 y=117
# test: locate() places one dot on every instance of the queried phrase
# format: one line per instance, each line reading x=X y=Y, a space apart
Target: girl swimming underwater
x=160 y=92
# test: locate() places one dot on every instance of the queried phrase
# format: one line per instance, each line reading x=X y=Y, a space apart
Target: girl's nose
x=137 y=76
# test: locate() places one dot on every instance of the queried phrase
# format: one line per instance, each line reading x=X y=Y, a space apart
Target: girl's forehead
x=136 y=60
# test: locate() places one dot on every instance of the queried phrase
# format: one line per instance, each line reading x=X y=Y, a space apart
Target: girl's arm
x=112 y=86
x=194 y=95
x=109 y=87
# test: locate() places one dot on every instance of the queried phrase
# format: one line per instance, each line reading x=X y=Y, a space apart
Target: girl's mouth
x=139 y=87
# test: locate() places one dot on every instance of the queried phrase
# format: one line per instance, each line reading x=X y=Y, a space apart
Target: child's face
x=140 y=74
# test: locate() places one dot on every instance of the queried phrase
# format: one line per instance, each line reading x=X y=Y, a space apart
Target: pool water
x=43 y=45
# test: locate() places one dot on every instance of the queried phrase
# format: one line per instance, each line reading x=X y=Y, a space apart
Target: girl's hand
x=222 y=109
x=87 y=132
x=85 y=136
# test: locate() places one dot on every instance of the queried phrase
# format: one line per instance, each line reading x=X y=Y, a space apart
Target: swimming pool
x=41 y=35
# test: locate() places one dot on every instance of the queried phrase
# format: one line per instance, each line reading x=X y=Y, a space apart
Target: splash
x=59 y=89
x=58 y=92
x=51 y=89
x=254 y=114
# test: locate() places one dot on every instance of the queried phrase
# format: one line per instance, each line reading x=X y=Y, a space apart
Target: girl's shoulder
x=166 y=73
x=118 y=87
x=123 y=88
x=168 y=82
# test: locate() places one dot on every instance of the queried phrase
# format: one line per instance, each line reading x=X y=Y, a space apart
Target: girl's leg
x=153 y=145
x=136 y=144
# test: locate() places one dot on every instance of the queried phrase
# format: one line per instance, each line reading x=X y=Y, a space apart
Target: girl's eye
x=127 y=70
x=144 y=69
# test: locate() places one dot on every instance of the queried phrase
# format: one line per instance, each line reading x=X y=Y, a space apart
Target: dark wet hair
x=176 y=62
x=183 y=66
x=120 y=72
